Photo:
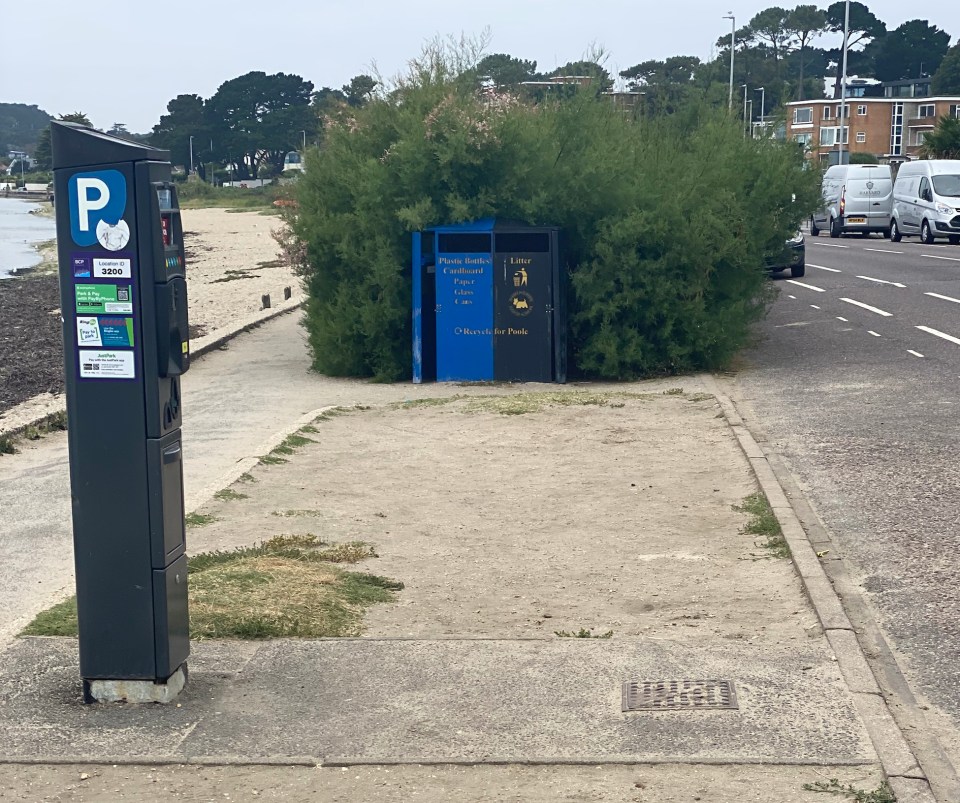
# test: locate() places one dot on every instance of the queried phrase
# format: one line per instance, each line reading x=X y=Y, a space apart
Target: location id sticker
x=104 y=331
x=95 y=299
x=116 y=268
x=97 y=364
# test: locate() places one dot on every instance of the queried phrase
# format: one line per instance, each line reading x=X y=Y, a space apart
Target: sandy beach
x=232 y=262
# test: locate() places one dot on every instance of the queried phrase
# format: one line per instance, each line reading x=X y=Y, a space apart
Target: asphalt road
x=855 y=384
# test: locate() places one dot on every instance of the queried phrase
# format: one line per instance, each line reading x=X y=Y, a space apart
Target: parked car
x=793 y=257
x=856 y=198
x=926 y=201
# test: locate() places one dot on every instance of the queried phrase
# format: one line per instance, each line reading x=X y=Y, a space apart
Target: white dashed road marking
x=842 y=319
x=882 y=251
x=808 y=286
x=881 y=281
x=931 y=256
x=884 y=313
x=815 y=306
x=914 y=353
x=945 y=298
x=823 y=267
x=831 y=245
x=871 y=332
x=936 y=333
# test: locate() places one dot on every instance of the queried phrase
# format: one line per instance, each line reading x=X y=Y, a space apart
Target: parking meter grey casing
x=124 y=301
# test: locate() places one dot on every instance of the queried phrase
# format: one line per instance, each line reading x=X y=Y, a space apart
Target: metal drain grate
x=658 y=695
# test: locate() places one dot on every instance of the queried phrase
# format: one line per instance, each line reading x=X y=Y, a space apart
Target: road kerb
x=896 y=757
x=197 y=498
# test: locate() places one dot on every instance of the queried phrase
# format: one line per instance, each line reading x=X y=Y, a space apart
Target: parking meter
x=125 y=333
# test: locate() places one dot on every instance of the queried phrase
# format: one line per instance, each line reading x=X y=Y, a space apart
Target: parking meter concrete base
x=126 y=343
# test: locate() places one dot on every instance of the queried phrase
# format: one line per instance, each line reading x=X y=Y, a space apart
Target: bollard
x=265 y=301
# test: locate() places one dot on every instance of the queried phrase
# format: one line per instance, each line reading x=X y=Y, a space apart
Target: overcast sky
x=123 y=61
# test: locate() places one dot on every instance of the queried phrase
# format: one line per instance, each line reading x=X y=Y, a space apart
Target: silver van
x=856 y=198
x=926 y=201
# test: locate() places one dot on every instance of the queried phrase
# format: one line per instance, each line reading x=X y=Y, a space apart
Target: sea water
x=20 y=231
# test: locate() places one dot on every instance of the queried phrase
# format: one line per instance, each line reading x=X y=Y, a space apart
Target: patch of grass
x=56 y=422
x=273 y=263
x=310 y=429
x=353 y=552
x=524 y=403
x=287 y=587
x=699 y=397
x=246 y=477
x=673 y=392
x=333 y=412
x=199 y=519
x=582 y=633
x=763 y=524
x=60 y=620
x=291 y=443
x=411 y=404
x=882 y=794
x=272 y=460
x=229 y=495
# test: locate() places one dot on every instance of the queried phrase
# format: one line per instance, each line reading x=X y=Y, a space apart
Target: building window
x=896 y=130
x=954 y=110
x=862 y=110
x=827 y=114
x=843 y=111
x=861 y=136
x=831 y=136
x=804 y=115
x=919 y=137
x=928 y=110
x=804 y=139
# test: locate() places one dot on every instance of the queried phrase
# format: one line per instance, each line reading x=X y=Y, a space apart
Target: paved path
x=234 y=399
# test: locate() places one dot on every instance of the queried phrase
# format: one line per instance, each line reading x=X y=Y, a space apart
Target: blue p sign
x=96 y=199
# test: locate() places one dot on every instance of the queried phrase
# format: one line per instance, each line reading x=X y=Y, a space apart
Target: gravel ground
x=31 y=350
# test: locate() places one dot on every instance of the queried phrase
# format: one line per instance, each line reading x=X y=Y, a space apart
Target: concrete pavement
x=472 y=716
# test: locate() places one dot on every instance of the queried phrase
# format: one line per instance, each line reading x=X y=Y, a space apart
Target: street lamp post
x=733 y=42
x=843 y=80
x=304 y=139
x=763 y=103
x=191 y=154
x=746 y=122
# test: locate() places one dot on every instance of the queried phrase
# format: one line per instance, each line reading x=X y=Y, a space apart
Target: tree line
x=251 y=122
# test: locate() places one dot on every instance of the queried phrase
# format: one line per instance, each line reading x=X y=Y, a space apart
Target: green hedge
x=666 y=221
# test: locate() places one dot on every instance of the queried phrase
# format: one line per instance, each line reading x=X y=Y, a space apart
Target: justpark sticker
x=98 y=364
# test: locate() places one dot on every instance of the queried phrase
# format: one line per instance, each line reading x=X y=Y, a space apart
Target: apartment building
x=890 y=128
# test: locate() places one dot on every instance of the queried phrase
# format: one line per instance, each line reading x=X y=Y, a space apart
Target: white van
x=926 y=201
x=856 y=198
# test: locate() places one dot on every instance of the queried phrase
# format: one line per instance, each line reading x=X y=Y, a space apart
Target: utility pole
x=733 y=42
x=191 y=154
x=843 y=80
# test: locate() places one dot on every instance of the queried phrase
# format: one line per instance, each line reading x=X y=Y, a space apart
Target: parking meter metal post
x=125 y=333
